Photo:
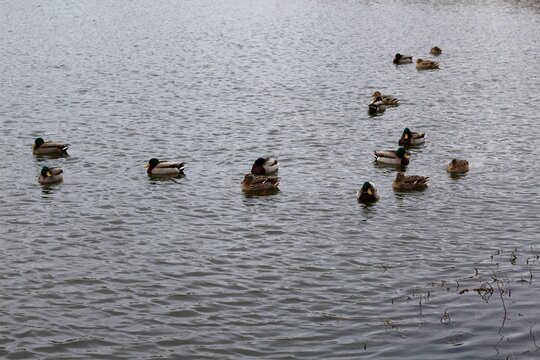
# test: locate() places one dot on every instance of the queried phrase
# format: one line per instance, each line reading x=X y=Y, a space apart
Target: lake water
x=111 y=264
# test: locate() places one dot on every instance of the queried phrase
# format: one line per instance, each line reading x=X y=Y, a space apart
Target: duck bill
x=146 y=166
x=370 y=192
x=33 y=146
x=407 y=156
x=49 y=173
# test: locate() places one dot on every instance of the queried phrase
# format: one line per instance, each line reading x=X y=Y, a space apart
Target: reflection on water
x=113 y=264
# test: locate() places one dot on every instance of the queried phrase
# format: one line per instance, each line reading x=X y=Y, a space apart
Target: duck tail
x=181 y=167
x=64 y=149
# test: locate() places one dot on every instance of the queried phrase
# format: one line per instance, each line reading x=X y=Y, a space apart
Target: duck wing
x=415 y=180
x=56 y=171
x=171 y=165
x=385 y=153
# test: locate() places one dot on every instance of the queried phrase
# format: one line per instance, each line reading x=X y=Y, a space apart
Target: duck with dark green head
x=377 y=106
x=367 y=193
x=426 y=64
x=50 y=148
x=393 y=157
x=155 y=167
x=409 y=138
x=402 y=59
x=50 y=175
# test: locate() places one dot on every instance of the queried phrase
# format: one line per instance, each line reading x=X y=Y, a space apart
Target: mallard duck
x=52 y=148
x=435 y=51
x=252 y=183
x=367 y=193
x=409 y=138
x=50 y=175
x=156 y=167
x=411 y=182
x=377 y=106
x=402 y=59
x=458 y=166
x=394 y=157
x=426 y=64
x=265 y=166
x=387 y=100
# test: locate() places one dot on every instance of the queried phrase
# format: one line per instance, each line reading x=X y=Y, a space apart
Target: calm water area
x=112 y=264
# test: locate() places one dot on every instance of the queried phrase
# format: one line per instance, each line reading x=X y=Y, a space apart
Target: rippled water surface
x=111 y=264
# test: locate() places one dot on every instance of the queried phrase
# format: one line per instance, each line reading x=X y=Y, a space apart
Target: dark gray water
x=111 y=264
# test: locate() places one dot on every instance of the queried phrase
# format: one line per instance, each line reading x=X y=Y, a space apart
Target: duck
x=409 y=138
x=426 y=64
x=156 y=167
x=402 y=59
x=394 y=157
x=435 y=51
x=50 y=175
x=377 y=106
x=253 y=183
x=52 y=148
x=367 y=193
x=387 y=100
x=409 y=182
x=265 y=166
x=458 y=166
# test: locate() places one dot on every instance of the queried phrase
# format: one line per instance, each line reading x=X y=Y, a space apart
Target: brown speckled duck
x=387 y=100
x=435 y=51
x=252 y=183
x=457 y=166
x=409 y=182
x=426 y=64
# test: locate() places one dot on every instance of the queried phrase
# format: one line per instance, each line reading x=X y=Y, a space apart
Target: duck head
x=248 y=178
x=45 y=171
x=367 y=187
x=152 y=163
x=37 y=143
x=258 y=167
x=402 y=153
x=406 y=134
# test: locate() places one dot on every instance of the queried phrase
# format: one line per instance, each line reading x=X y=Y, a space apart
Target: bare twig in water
x=513 y=257
x=502 y=300
x=534 y=339
x=445 y=318
x=485 y=291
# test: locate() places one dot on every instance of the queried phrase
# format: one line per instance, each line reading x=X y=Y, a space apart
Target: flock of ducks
x=262 y=178
x=401 y=156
